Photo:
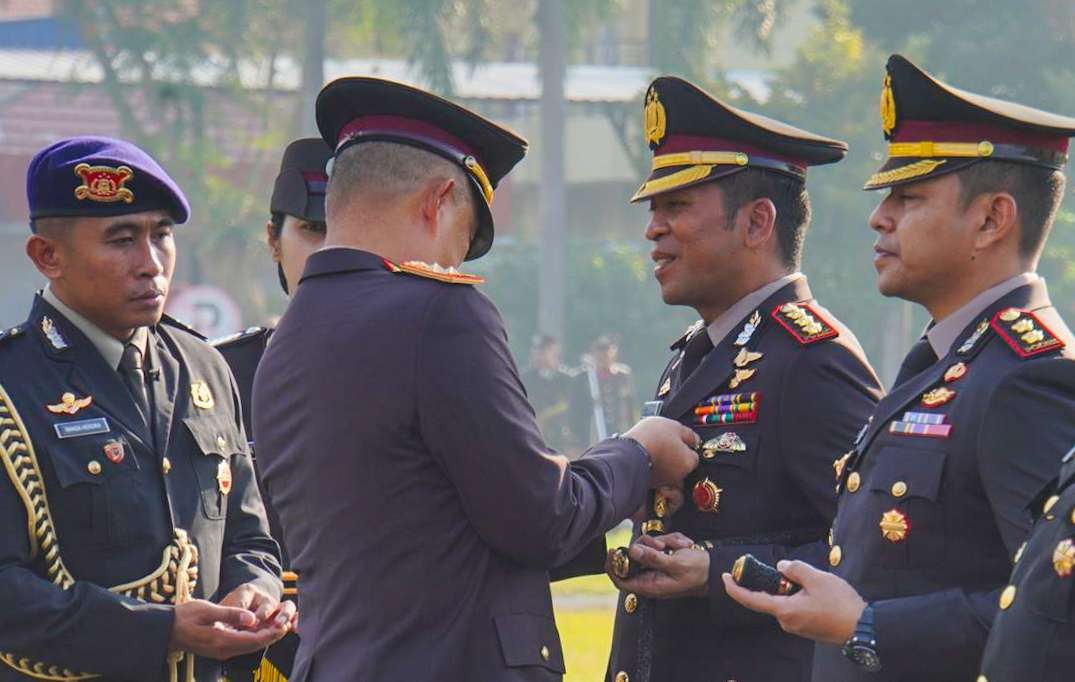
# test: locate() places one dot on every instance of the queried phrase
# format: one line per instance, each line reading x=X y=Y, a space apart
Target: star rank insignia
x=1025 y=333
x=804 y=323
x=69 y=404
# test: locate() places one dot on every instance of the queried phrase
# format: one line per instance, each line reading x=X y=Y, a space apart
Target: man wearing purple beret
x=133 y=540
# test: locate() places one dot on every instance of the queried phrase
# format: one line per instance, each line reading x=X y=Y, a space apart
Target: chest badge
x=938 y=396
x=745 y=357
x=201 y=396
x=748 y=329
x=69 y=404
x=114 y=452
x=728 y=408
x=223 y=476
x=1064 y=558
x=894 y=525
x=729 y=441
x=706 y=496
x=741 y=375
x=955 y=372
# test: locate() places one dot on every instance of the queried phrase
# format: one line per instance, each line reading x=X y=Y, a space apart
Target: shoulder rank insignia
x=1025 y=333
x=56 y=339
x=244 y=335
x=434 y=271
x=69 y=404
x=804 y=323
x=687 y=334
x=12 y=332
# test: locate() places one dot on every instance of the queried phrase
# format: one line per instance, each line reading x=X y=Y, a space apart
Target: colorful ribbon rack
x=729 y=408
x=921 y=424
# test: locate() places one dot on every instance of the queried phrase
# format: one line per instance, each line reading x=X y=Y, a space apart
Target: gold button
x=1007 y=596
x=94 y=467
x=853 y=482
x=1049 y=504
x=166 y=465
x=622 y=677
x=630 y=603
x=220 y=442
x=899 y=489
x=835 y=555
x=544 y=653
x=1073 y=515
x=1019 y=553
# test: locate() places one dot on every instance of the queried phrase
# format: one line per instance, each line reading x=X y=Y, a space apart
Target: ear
x=999 y=220
x=436 y=199
x=273 y=242
x=760 y=218
x=47 y=255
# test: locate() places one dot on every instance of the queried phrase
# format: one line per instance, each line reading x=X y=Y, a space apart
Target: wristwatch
x=861 y=649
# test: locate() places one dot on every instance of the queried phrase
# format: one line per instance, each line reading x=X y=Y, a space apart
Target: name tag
x=82 y=427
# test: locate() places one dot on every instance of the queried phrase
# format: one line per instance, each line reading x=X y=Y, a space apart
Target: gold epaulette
x=1024 y=332
x=434 y=271
x=173 y=582
x=804 y=323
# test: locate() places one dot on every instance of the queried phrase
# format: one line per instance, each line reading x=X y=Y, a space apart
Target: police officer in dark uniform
x=296 y=228
x=549 y=387
x=935 y=495
x=772 y=383
x=421 y=506
x=129 y=503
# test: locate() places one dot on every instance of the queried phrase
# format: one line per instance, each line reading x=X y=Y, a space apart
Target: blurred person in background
x=548 y=386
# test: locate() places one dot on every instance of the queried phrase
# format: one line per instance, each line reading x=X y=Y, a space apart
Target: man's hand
x=825 y=610
x=684 y=572
x=671 y=449
x=268 y=610
x=220 y=632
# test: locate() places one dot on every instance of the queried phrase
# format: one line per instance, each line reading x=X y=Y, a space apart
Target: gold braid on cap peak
x=912 y=170
x=173 y=581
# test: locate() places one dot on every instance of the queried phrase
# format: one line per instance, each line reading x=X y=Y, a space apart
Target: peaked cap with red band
x=299 y=189
x=696 y=138
x=934 y=128
x=359 y=109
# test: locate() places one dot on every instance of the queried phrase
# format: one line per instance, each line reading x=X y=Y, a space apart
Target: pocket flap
x=214 y=435
x=920 y=472
x=91 y=459
x=527 y=639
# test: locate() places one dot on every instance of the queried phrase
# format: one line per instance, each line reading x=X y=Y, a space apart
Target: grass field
x=585 y=608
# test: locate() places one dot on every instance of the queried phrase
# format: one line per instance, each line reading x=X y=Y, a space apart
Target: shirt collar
x=726 y=322
x=943 y=334
x=110 y=348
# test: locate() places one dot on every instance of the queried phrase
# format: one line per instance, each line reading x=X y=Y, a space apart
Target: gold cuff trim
x=699 y=158
x=677 y=179
x=478 y=173
x=981 y=149
x=914 y=170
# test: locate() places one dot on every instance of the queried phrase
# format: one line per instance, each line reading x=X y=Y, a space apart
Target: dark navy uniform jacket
x=115 y=496
x=418 y=502
x=1034 y=637
x=928 y=523
x=776 y=496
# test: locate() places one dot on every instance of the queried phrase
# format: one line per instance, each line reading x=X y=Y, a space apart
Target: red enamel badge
x=114 y=452
x=103 y=183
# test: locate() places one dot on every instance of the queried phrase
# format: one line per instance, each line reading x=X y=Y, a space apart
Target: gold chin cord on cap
x=478 y=173
x=981 y=149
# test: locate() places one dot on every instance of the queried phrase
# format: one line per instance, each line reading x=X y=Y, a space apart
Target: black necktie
x=130 y=366
x=697 y=348
x=918 y=360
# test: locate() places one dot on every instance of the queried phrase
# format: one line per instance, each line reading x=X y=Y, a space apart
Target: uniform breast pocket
x=905 y=488
x=1050 y=564
x=95 y=475
x=530 y=641
x=216 y=440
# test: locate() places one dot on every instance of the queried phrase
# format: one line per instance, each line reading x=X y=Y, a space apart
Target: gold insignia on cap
x=69 y=404
x=1064 y=558
x=741 y=375
x=104 y=183
x=654 y=118
x=201 y=396
x=938 y=396
x=888 y=106
x=894 y=525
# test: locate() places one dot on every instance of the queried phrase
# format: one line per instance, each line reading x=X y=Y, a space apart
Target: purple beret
x=99 y=176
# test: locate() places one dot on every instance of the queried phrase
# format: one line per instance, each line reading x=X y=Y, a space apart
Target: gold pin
x=630 y=603
x=1023 y=326
x=201 y=396
x=1010 y=315
x=741 y=375
x=223 y=476
x=955 y=372
x=94 y=467
x=665 y=388
x=745 y=357
x=938 y=396
x=899 y=489
x=853 y=482
x=1064 y=558
x=69 y=404
x=894 y=525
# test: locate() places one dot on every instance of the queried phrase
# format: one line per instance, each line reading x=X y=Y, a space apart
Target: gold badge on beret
x=104 y=183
